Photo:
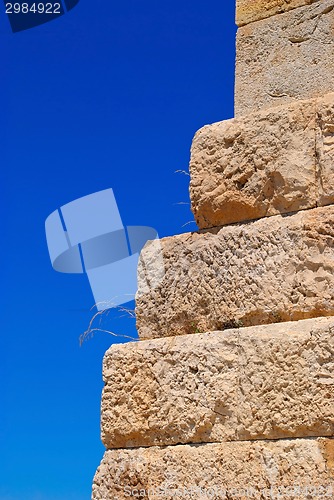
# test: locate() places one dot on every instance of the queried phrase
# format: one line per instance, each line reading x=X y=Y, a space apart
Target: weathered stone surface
x=255 y=166
x=270 y=270
x=265 y=382
x=298 y=469
x=287 y=380
x=325 y=149
x=285 y=57
x=249 y=11
x=279 y=160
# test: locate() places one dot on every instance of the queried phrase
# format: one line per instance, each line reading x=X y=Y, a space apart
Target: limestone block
x=287 y=380
x=285 y=57
x=298 y=469
x=265 y=382
x=279 y=160
x=266 y=271
x=325 y=149
x=249 y=11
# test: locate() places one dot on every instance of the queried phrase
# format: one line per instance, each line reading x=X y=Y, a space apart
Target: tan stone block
x=325 y=149
x=285 y=57
x=266 y=271
x=298 y=469
x=286 y=380
x=249 y=11
x=265 y=382
x=164 y=392
x=255 y=166
x=278 y=160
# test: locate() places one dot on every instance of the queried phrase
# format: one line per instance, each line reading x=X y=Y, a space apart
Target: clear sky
x=108 y=95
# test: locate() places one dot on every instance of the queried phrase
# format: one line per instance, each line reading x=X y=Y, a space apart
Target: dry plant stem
x=182 y=172
x=99 y=315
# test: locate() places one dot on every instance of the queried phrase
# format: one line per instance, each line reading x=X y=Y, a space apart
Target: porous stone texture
x=325 y=149
x=286 y=57
x=298 y=469
x=279 y=160
x=266 y=382
x=249 y=11
x=266 y=271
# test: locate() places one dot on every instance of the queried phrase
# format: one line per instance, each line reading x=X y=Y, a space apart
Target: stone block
x=325 y=149
x=248 y=11
x=298 y=469
x=285 y=57
x=266 y=382
x=266 y=271
x=278 y=160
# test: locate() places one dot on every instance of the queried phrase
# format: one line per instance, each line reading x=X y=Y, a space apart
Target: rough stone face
x=263 y=164
x=285 y=57
x=298 y=469
x=267 y=271
x=325 y=149
x=249 y=11
x=266 y=382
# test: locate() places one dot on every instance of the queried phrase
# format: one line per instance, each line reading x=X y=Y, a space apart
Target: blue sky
x=108 y=95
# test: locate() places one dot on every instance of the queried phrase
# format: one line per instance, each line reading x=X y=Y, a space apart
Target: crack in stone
x=276 y=95
x=317 y=17
x=318 y=177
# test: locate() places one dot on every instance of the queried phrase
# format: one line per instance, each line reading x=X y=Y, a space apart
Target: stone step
x=279 y=160
x=248 y=11
x=298 y=469
x=267 y=271
x=266 y=382
x=285 y=57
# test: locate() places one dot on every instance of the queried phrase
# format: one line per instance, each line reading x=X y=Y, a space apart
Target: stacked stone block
x=229 y=392
x=284 y=57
